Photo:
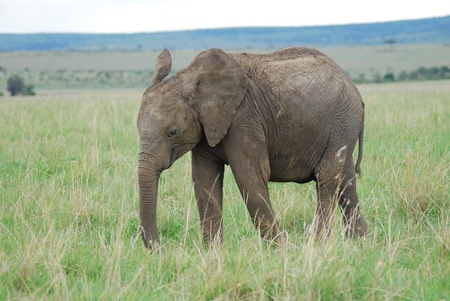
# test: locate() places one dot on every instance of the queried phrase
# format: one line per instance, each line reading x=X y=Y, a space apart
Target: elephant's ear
x=163 y=66
x=221 y=85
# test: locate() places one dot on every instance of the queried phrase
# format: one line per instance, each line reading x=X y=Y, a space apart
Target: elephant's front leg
x=252 y=178
x=207 y=175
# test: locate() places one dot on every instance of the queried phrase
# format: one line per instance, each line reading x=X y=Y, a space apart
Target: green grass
x=69 y=210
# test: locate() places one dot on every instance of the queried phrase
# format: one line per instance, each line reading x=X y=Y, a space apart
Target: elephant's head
x=175 y=115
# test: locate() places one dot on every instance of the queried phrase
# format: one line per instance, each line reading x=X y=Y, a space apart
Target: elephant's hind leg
x=348 y=202
x=326 y=204
x=336 y=184
x=328 y=176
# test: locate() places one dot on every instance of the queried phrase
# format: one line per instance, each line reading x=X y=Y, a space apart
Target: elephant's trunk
x=148 y=197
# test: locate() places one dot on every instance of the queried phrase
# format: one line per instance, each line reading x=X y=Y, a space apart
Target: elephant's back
x=288 y=58
x=292 y=68
x=280 y=55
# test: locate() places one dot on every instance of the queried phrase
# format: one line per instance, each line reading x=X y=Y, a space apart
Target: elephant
x=288 y=116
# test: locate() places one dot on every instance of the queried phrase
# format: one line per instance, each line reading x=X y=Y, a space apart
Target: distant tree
x=422 y=73
x=444 y=72
x=376 y=77
x=403 y=76
x=389 y=77
x=433 y=73
x=390 y=41
x=414 y=75
x=2 y=69
x=17 y=86
x=360 y=79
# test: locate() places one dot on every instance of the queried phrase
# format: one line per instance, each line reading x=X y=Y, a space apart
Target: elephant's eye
x=172 y=132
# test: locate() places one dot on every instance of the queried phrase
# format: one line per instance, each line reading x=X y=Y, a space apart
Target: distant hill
x=423 y=31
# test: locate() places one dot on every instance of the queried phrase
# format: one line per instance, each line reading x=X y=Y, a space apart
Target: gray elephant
x=287 y=116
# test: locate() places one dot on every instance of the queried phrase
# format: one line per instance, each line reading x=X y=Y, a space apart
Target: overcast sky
x=126 y=16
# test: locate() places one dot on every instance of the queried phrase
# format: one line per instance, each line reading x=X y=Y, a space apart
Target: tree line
x=16 y=84
x=422 y=73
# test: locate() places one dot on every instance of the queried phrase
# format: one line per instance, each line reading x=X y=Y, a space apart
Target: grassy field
x=69 y=210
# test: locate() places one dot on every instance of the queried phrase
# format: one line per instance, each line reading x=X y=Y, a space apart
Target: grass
x=69 y=210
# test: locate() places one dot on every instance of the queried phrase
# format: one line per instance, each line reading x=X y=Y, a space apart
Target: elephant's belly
x=296 y=161
x=290 y=171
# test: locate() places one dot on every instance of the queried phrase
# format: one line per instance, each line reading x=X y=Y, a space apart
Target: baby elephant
x=287 y=116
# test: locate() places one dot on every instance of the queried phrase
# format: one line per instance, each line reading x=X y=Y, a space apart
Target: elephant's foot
x=153 y=246
x=317 y=231
x=272 y=233
x=357 y=226
x=279 y=240
x=213 y=230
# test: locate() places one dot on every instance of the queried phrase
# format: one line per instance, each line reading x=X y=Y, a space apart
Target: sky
x=132 y=16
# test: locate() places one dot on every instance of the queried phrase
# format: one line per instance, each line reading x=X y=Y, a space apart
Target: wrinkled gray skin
x=288 y=116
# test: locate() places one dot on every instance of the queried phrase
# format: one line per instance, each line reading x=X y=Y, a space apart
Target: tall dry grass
x=69 y=211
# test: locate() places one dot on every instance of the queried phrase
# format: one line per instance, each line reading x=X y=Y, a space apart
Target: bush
x=30 y=90
x=389 y=77
x=17 y=86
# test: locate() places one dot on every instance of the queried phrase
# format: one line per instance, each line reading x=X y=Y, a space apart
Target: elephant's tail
x=360 y=150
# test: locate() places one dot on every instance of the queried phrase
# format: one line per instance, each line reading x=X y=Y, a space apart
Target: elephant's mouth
x=179 y=150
